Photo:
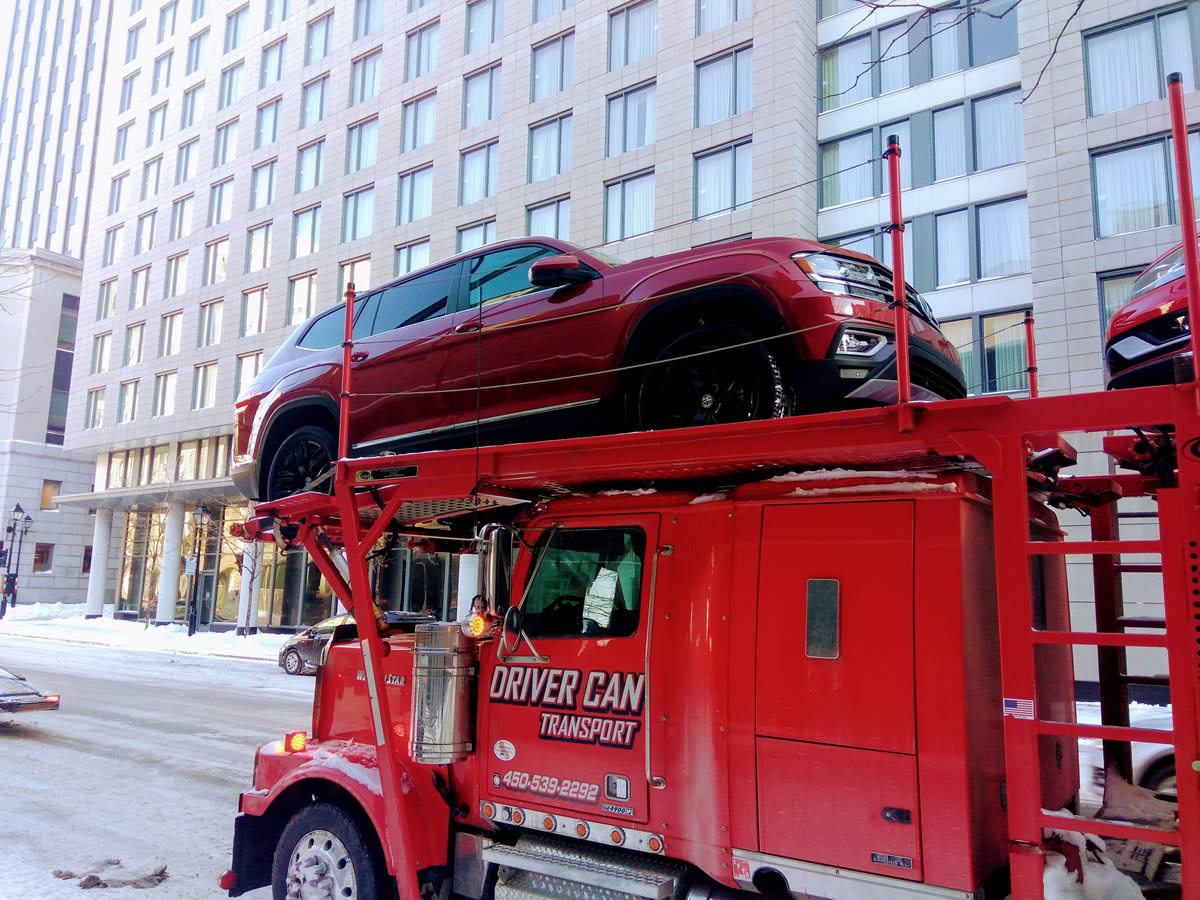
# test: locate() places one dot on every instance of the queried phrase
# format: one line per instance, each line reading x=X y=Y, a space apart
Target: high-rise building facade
x=257 y=156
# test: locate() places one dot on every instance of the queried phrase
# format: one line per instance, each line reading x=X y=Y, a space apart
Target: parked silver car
x=1153 y=764
x=18 y=695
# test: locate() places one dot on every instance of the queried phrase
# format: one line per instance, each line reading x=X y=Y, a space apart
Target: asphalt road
x=142 y=763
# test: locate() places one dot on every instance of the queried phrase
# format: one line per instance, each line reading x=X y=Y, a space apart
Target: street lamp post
x=26 y=524
x=12 y=533
x=199 y=521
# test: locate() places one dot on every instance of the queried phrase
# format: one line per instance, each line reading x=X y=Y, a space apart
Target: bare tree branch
x=1053 y=50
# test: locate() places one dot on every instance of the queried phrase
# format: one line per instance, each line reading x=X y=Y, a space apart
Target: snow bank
x=65 y=622
x=898 y=487
x=840 y=474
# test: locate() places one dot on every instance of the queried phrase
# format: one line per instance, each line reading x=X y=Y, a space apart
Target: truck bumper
x=253 y=853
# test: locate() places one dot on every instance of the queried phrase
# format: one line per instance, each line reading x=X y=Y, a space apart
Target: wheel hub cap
x=320 y=869
x=707 y=401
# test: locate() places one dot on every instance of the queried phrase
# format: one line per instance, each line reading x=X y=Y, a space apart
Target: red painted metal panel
x=864 y=697
x=828 y=805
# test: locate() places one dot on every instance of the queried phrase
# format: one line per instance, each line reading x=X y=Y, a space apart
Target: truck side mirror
x=496 y=550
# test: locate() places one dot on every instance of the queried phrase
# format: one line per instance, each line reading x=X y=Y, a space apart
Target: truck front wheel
x=324 y=854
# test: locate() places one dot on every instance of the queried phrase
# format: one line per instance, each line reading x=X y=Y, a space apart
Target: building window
x=361 y=142
x=846 y=73
x=631 y=116
x=724 y=86
x=248 y=367
x=723 y=180
x=106 y=299
x=128 y=87
x=949 y=143
x=258 y=247
x=50 y=492
x=553 y=66
x=181 y=217
x=166 y=21
x=366 y=77
x=481 y=96
x=632 y=34
x=276 y=12
x=185 y=161
x=485 y=23
x=115 y=189
x=64 y=363
x=479 y=172
x=310 y=166
x=151 y=177
x=225 y=145
x=262 y=184
x=302 y=299
x=318 y=39
x=358 y=214
x=121 y=143
x=472 y=237
x=1127 y=65
x=846 y=166
x=175 y=282
x=411 y=257
x=1003 y=238
x=312 y=101
x=893 y=58
x=550 y=148
x=419 y=122
x=169 y=333
x=368 y=17
x=160 y=74
x=254 y=312
x=127 y=402
x=164 y=394
x=628 y=207
x=1133 y=187
x=992 y=351
x=204 y=386
x=415 y=199
x=220 y=202
x=139 y=288
x=235 y=28
x=272 y=64
x=306 y=232
x=216 y=261
x=187 y=108
x=266 y=126
x=93 y=412
x=999 y=130
x=86 y=568
x=953 y=248
x=1115 y=291
x=551 y=219
x=135 y=340
x=143 y=239
x=132 y=38
x=112 y=245
x=544 y=9
x=43 y=558
x=421 y=51
x=156 y=125
x=196 y=48
x=902 y=132
x=101 y=352
x=714 y=14
x=356 y=272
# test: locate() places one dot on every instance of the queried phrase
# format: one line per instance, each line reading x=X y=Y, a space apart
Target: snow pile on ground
x=1077 y=867
x=65 y=622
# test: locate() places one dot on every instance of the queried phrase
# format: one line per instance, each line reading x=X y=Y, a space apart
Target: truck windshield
x=589 y=583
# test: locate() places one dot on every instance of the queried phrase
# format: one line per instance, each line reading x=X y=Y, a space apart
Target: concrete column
x=168 y=575
x=247 y=616
x=101 y=539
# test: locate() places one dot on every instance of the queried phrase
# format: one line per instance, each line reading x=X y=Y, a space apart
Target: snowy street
x=142 y=763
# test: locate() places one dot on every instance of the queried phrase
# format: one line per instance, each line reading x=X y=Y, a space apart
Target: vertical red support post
x=1030 y=356
x=899 y=287
x=344 y=399
x=1187 y=213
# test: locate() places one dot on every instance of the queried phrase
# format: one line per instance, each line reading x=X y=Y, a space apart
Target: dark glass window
x=503 y=274
x=415 y=300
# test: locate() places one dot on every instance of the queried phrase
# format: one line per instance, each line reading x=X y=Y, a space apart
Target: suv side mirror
x=555 y=271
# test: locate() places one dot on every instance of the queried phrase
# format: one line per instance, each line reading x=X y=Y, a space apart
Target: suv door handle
x=359 y=357
x=466 y=327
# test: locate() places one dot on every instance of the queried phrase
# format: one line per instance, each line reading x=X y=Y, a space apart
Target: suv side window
x=589 y=583
x=328 y=329
x=416 y=300
x=503 y=273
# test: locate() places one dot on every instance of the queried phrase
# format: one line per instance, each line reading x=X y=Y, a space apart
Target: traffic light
x=10 y=583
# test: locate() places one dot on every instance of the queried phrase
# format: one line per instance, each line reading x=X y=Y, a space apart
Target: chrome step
x=540 y=866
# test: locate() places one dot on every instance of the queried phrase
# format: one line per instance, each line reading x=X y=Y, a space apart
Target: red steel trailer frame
x=1017 y=441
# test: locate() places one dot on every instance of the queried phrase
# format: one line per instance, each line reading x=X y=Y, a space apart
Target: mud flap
x=253 y=852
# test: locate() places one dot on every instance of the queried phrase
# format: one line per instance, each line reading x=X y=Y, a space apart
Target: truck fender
x=351 y=769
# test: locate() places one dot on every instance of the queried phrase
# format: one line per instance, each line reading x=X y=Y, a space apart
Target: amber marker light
x=53 y=698
x=489 y=811
x=617 y=836
x=582 y=829
x=548 y=823
x=518 y=817
x=477 y=626
x=655 y=843
x=295 y=741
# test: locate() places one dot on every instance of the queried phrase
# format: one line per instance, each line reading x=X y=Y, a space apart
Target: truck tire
x=324 y=854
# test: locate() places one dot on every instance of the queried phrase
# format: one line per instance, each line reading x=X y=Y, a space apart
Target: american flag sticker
x=1018 y=709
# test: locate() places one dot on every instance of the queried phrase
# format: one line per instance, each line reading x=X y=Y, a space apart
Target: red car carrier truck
x=828 y=656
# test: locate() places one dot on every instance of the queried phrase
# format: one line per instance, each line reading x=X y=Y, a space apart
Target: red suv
x=533 y=338
x=1148 y=337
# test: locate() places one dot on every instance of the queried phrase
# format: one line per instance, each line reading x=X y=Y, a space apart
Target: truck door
x=835 y=717
x=565 y=731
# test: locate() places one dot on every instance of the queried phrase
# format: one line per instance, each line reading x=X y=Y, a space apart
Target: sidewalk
x=65 y=622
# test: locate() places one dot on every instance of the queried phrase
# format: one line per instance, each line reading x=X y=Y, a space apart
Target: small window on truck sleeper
x=588 y=583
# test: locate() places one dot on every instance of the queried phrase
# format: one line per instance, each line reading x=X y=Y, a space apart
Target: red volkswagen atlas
x=534 y=338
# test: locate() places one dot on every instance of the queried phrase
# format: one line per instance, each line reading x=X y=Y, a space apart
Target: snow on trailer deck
x=1016 y=442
